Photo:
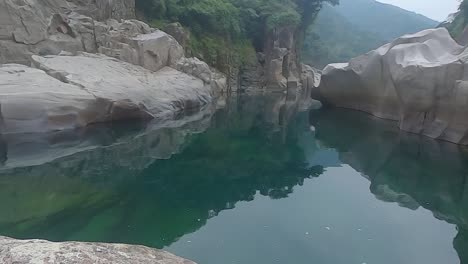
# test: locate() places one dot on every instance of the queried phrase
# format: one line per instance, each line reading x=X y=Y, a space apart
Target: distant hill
x=356 y=27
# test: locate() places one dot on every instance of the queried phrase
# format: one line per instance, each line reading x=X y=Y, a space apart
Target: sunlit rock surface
x=75 y=91
x=14 y=251
x=419 y=80
x=31 y=32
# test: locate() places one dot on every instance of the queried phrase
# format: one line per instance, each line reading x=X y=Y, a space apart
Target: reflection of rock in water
x=105 y=180
x=3 y=151
x=48 y=175
x=404 y=168
x=460 y=243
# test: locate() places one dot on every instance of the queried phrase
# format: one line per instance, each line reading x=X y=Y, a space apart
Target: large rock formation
x=277 y=68
x=419 y=80
x=79 y=89
x=75 y=91
x=282 y=67
x=49 y=26
x=14 y=251
x=51 y=33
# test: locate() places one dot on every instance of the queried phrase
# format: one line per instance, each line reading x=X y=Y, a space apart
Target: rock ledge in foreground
x=45 y=252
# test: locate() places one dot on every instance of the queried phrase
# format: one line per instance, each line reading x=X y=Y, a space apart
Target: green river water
x=254 y=182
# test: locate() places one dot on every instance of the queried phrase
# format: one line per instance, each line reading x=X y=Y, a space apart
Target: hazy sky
x=435 y=9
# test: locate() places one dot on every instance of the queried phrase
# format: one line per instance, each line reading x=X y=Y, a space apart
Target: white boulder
x=74 y=91
x=418 y=79
x=35 y=251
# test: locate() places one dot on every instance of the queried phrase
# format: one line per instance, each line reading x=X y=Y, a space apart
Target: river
x=257 y=181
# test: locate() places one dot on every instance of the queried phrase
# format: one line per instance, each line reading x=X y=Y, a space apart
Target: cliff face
x=30 y=27
x=282 y=67
x=278 y=67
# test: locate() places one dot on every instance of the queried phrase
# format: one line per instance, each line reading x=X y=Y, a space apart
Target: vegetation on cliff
x=227 y=33
x=458 y=21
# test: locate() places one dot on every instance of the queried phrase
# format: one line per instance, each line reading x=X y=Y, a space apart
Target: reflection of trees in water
x=252 y=147
x=410 y=170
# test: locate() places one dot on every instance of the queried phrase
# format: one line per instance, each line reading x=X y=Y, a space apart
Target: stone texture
x=419 y=80
x=102 y=9
x=310 y=80
x=51 y=27
x=137 y=43
x=130 y=40
x=32 y=22
x=74 y=91
x=14 y=251
x=32 y=101
x=281 y=61
x=201 y=70
x=179 y=33
x=85 y=88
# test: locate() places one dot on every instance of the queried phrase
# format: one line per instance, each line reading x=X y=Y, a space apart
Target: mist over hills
x=355 y=27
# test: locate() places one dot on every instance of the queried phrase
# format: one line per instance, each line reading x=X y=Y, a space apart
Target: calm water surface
x=255 y=182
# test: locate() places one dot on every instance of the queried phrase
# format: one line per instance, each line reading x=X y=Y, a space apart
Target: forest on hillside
x=230 y=31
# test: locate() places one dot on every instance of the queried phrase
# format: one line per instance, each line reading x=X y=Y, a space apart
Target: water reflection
x=154 y=183
x=120 y=184
x=410 y=170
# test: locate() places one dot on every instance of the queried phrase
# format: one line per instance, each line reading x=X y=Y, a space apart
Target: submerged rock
x=14 y=251
x=419 y=80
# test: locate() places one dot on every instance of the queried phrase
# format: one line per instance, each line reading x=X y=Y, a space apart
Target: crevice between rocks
x=60 y=76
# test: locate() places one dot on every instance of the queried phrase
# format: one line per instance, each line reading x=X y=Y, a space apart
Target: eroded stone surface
x=14 y=251
x=74 y=91
x=201 y=70
x=419 y=80
x=31 y=100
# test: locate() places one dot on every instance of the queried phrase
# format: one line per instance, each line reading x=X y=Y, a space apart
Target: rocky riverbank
x=51 y=80
x=14 y=251
x=419 y=80
x=65 y=65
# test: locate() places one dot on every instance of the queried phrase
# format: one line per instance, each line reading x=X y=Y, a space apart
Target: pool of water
x=254 y=182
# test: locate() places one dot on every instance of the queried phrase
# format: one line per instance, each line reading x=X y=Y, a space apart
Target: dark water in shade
x=249 y=184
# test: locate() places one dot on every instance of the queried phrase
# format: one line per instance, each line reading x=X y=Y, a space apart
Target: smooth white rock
x=418 y=79
x=67 y=92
